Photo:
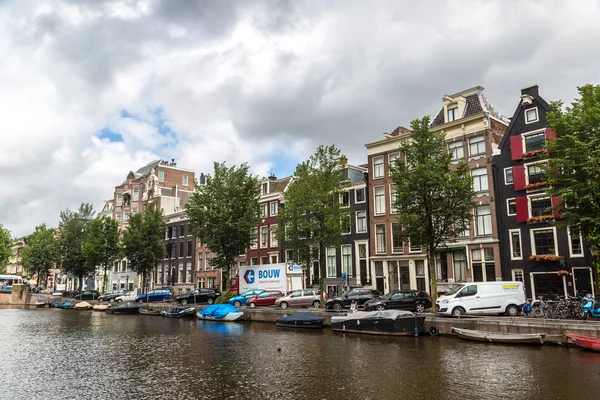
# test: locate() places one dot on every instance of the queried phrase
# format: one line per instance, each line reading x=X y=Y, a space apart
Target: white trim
x=536 y=196
x=530 y=133
x=273 y=235
x=396 y=153
x=392 y=240
x=508 y=206
x=512 y=273
x=392 y=209
x=357 y=259
x=591 y=280
x=349 y=268
x=571 y=247
x=510 y=242
x=271 y=208
x=384 y=239
x=537 y=115
x=382 y=167
x=260 y=242
x=509 y=183
x=531 y=274
x=532 y=238
x=375 y=201
x=334 y=261
x=356 y=220
x=478 y=141
x=364 y=190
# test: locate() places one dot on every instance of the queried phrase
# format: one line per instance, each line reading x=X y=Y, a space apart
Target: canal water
x=64 y=354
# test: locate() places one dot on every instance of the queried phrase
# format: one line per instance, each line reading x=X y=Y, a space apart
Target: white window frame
x=452 y=110
x=273 y=208
x=119 y=199
x=537 y=196
x=510 y=233
x=331 y=262
x=532 y=164
x=254 y=241
x=532 y=238
x=118 y=218
x=411 y=250
x=452 y=147
x=161 y=175
x=346 y=266
x=392 y=157
x=477 y=233
x=480 y=180
x=513 y=274
x=537 y=116
x=378 y=170
x=527 y=134
x=379 y=209
x=264 y=209
x=125 y=217
x=506 y=182
x=362 y=212
x=364 y=191
x=274 y=240
x=264 y=245
x=478 y=139
x=264 y=187
x=289 y=255
x=394 y=250
x=508 y=206
x=185 y=179
x=136 y=194
x=570 y=236
x=382 y=249
x=393 y=198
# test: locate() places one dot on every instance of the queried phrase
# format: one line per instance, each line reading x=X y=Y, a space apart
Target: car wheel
x=380 y=307
x=337 y=306
x=316 y=304
x=252 y=305
x=420 y=308
x=184 y=302
x=210 y=301
x=512 y=310
x=237 y=304
x=458 y=311
x=283 y=305
x=119 y=301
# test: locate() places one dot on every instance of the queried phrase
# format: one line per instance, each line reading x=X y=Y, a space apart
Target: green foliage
x=41 y=252
x=73 y=227
x=6 y=243
x=313 y=216
x=225 y=297
x=434 y=197
x=143 y=243
x=223 y=212
x=574 y=166
x=102 y=246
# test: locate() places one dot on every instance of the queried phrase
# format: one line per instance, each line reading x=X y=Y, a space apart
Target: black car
x=199 y=296
x=111 y=296
x=87 y=295
x=411 y=300
x=359 y=296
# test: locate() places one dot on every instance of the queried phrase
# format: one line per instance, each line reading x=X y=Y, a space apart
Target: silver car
x=300 y=298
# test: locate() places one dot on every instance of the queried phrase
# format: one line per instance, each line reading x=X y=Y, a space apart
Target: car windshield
x=455 y=289
x=353 y=292
x=249 y=293
x=387 y=296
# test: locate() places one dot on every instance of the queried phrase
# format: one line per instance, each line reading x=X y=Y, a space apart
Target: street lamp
x=594 y=251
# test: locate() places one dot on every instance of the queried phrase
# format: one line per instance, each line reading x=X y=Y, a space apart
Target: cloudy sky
x=91 y=90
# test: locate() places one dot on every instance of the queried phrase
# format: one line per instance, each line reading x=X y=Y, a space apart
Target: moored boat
x=66 y=305
x=83 y=305
x=498 y=337
x=148 y=311
x=179 y=312
x=301 y=320
x=42 y=303
x=101 y=307
x=220 y=312
x=388 y=322
x=585 y=342
x=129 y=307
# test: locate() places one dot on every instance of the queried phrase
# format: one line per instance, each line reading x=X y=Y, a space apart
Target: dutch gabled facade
x=533 y=249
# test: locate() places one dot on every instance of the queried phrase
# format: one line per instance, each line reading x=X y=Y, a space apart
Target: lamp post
x=303 y=281
x=594 y=251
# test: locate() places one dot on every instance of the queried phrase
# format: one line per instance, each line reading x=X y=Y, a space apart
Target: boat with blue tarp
x=220 y=312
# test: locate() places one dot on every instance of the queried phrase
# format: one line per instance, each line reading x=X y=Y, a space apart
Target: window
x=517 y=275
x=511 y=207
x=543 y=240
x=189 y=248
x=274 y=259
x=263 y=210
x=254 y=261
x=393 y=157
x=457 y=151
x=463 y=230
x=480 y=180
x=396 y=240
x=136 y=194
x=181 y=276
x=346 y=224
x=575 y=248
x=360 y=195
x=188 y=272
x=540 y=206
x=534 y=142
x=181 y=249
x=531 y=115
x=161 y=176
x=331 y=262
x=347 y=259
x=274 y=208
x=452 y=113
x=379 y=193
x=264 y=236
x=274 y=242
x=414 y=248
x=378 y=167
x=181 y=230
x=393 y=209
x=118 y=216
x=535 y=174
x=508 y=176
x=477 y=146
x=460 y=266
x=515 y=244
x=289 y=255
x=126 y=217
x=134 y=211
x=254 y=238
x=345 y=199
x=484 y=220
x=380 y=238
x=483 y=261
x=119 y=200
x=361 y=221
x=264 y=260
x=201 y=262
x=265 y=188
x=174 y=232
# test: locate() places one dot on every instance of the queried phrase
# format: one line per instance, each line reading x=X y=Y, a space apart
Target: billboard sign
x=268 y=277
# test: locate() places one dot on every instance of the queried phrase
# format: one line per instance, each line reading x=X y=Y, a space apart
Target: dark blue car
x=154 y=295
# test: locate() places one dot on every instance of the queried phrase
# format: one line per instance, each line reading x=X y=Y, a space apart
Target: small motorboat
x=388 y=322
x=66 y=305
x=83 y=305
x=220 y=312
x=498 y=337
x=301 y=320
x=42 y=304
x=128 y=307
x=179 y=312
x=148 y=311
x=101 y=307
x=585 y=342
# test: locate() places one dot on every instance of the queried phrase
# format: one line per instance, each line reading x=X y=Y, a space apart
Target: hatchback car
x=300 y=298
x=241 y=300
x=411 y=300
x=111 y=296
x=128 y=296
x=87 y=295
x=199 y=296
x=358 y=296
x=154 y=295
x=267 y=298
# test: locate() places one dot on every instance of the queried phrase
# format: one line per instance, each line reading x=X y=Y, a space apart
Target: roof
x=280 y=185
x=476 y=103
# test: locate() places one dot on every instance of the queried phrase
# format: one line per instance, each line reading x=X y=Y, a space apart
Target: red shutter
x=516 y=147
x=557 y=207
x=518 y=177
x=522 y=209
x=550 y=134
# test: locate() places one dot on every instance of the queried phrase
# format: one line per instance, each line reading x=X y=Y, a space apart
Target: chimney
x=173 y=163
x=202 y=178
x=343 y=160
x=272 y=177
x=533 y=91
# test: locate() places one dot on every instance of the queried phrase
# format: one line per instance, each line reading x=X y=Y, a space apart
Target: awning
x=453 y=249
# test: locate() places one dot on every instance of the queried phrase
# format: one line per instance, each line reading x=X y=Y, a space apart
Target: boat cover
x=302 y=317
x=387 y=314
x=218 y=310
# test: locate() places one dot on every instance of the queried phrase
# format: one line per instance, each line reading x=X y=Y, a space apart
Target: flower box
x=539 y=218
x=535 y=185
x=534 y=153
x=544 y=258
x=562 y=272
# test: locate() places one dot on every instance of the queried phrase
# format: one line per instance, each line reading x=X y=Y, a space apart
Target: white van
x=483 y=298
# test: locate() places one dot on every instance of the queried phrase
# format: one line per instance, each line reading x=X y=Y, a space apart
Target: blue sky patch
x=110 y=135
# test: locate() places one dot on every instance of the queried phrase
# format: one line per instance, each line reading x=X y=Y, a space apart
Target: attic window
x=265 y=188
x=531 y=115
x=452 y=113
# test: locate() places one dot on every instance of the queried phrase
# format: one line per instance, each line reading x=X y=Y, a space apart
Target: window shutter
x=518 y=177
x=557 y=207
x=550 y=134
x=516 y=147
x=522 y=209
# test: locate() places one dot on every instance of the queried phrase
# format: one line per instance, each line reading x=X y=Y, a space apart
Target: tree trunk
x=105 y=280
x=322 y=258
x=432 y=274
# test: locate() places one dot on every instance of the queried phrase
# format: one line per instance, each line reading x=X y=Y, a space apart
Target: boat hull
x=179 y=313
x=403 y=325
x=234 y=316
x=100 y=307
x=306 y=320
x=301 y=324
x=146 y=311
x=41 y=304
x=124 y=308
x=585 y=342
x=505 y=338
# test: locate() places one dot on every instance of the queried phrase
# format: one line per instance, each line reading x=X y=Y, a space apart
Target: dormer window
x=531 y=115
x=452 y=113
x=265 y=188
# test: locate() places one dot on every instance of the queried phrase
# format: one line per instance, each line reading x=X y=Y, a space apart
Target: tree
x=434 y=197
x=6 y=243
x=73 y=228
x=102 y=245
x=143 y=243
x=41 y=252
x=313 y=217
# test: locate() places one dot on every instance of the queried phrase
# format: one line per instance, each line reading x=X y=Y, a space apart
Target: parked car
x=154 y=295
x=411 y=300
x=199 y=296
x=300 y=298
x=128 y=296
x=241 y=300
x=87 y=295
x=264 y=299
x=111 y=296
x=359 y=296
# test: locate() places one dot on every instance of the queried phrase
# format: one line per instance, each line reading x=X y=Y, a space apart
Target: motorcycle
x=589 y=307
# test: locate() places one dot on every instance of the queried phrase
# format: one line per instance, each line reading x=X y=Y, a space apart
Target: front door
x=379 y=284
x=404 y=278
x=583 y=281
